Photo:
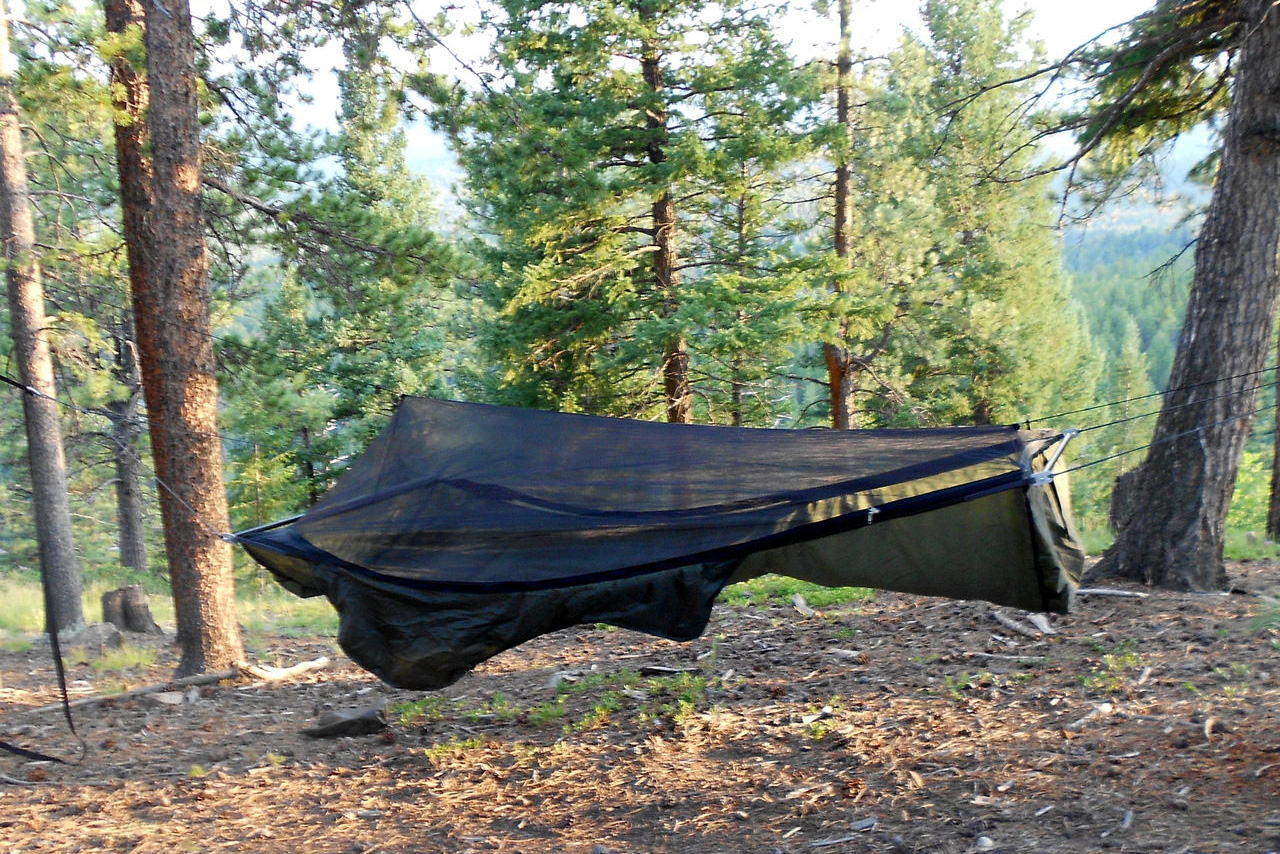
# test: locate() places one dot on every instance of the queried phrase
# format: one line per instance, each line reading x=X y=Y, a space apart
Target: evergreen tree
x=592 y=157
x=955 y=308
x=355 y=311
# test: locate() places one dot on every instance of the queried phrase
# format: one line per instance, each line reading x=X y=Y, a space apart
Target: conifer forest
x=637 y=216
x=238 y=233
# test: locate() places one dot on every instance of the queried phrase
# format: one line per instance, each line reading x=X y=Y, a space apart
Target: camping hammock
x=466 y=529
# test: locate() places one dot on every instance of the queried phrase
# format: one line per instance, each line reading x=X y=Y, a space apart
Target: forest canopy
x=644 y=222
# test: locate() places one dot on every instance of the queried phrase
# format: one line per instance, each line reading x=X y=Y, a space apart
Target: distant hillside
x=1120 y=271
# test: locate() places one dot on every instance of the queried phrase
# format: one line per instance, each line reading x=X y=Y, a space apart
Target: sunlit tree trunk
x=169 y=278
x=839 y=361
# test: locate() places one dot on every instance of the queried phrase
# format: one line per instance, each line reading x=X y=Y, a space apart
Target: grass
x=777 y=588
x=127 y=657
x=260 y=609
x=23 y=611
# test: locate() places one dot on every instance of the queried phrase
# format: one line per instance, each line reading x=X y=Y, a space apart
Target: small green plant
x=599 y=714
x=432 y=707
x=545 y=713
x=956 y=685
x=197 y=770
x=1109 y=676
x=451 y=748
x=497 y=708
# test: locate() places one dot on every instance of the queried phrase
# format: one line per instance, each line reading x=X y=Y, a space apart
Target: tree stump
x=126 y=608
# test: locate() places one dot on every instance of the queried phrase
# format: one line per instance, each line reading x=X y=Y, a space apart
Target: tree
x=59 y=564
x=170 y=288
x=1174 y=63
x=951 y=306
x=584 y=155
x=354 y=311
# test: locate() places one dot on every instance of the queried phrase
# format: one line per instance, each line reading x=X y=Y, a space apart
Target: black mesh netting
x=472 y=510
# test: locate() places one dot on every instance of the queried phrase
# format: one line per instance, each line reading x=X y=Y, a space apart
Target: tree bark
x=126 y=608
x=59 y=564
x=675 y=356
x=840 y=365
x=126 y=430
x=1273 y=506
x=170 y=288
x=1183 y=488
x=130 y=99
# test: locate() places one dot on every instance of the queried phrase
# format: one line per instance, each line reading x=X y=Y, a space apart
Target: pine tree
x=584 y=158
x=953 y=308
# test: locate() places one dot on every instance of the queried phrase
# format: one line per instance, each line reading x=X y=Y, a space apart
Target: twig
x=185 y=682
x=1021 y=659
x=1107 y=591
x=1014 y=626
x=266 y=673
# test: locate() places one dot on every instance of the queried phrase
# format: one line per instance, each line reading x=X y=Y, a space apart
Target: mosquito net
x=465 y=528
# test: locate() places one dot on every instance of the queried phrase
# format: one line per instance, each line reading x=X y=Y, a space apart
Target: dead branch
x=266 y=673
x=1107 y=591
x=185 y=682
x=262 y=673
x=1015 y=626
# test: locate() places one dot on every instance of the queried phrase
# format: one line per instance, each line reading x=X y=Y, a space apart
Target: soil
x=898 y=724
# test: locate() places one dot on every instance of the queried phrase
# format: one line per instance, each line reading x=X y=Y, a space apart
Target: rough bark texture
x=129 y=93
x=59 y=564
x=675 y=356
x=1273 y=507
x=840 y=365
x=171 y=309
x=1183 y=488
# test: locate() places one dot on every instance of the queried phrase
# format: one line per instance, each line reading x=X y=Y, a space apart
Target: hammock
x=466 y=529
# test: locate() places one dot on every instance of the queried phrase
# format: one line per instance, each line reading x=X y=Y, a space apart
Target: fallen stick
x=185 y=682
x=262 y=673
x=1013 y=625
x=267 y=673
x=1107 y=591
x=1021 y=659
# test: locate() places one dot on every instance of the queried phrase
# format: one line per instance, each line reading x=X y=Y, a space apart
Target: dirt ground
x=899 y=724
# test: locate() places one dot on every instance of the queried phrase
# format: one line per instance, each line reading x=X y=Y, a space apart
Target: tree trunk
x=1273 y=506
x=130 y=516
x=59 y=564
x=170 y=286
x=840 y=373
x=130 y=96
x=675 y=356
x=126 y=608
x=1183 y=488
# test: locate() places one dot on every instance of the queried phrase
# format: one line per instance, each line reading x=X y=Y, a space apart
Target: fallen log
x=262 y=673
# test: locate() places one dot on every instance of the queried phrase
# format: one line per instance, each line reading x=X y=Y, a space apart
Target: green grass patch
x=14 y=643
x=769 y=589
x=127 y=657
x=23 y=611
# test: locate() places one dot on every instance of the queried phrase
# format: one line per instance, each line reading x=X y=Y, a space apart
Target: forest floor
x=895 y=724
